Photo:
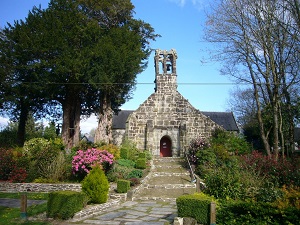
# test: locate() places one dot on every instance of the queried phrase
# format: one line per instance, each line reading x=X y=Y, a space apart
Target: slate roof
x=119 y=120
x=224 y=119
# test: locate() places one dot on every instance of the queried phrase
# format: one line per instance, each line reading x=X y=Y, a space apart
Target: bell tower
x=165 y=70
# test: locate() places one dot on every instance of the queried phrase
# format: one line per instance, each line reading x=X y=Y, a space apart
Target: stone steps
x=168 y=179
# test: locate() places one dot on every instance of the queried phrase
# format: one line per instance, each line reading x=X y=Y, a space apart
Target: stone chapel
x=166 y=122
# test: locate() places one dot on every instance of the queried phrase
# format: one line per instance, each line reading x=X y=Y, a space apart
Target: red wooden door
x=165 y=147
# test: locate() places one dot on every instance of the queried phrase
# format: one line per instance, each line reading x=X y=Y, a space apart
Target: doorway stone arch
x=165 y=146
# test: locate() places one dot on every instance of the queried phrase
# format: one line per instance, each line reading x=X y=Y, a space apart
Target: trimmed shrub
x=142 y=155
x=141 y=163
x=95 y=185
x=123 y=186
x=196 y=206
x=64 y=204
x=124 y=153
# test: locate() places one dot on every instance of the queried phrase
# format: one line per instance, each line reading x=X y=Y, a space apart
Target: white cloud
x=199 y=4
x=181 y=3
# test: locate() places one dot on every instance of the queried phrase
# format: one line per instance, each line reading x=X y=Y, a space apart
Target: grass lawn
x=12 y=216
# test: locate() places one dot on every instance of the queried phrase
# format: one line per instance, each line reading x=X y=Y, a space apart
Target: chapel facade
x=166 y=122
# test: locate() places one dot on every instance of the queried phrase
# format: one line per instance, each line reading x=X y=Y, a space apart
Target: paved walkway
x=148 y=212
x=16 y=203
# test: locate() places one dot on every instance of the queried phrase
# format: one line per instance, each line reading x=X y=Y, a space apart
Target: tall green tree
x=258 y=46
x=124 y=50
x=21 y=92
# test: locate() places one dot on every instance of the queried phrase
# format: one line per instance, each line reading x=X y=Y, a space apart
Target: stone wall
x=37 y=187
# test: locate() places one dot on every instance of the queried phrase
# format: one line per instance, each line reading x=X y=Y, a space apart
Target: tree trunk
x=71 y=121
x=104 y=130
x=22 y=124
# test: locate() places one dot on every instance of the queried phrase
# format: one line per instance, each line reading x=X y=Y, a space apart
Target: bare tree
x=258 y=47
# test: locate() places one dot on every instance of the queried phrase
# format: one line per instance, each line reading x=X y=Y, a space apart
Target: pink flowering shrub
x=196 y=145
x=84 y=160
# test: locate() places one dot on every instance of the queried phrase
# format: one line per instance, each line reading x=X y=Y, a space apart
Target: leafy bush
x=135 y=174
x=7 y=163
x=196 y=145
x=95 y=185
x=126 y=162
x=281 y=171
x=118 y=172
x=290 y=198
x=248 y=213
x=206 y=161
x=230 y=142
x=41 y=154
x=129 y=150
x=84 y=160
x=64 y=204
x=112 y=149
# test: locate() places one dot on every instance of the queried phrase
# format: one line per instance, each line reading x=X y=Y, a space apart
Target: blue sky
x=181 y=24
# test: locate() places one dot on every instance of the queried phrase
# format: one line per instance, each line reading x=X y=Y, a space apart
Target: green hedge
x=141 y=163
x=64 y=204
x=123 y=186
x=196 y=206
x=124 y=153
x=142 y=155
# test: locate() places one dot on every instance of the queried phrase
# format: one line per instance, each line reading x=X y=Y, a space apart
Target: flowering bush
x=281 y=172
x=84 y=160
x=196 y=145
x=17 y=175
x=6 y=163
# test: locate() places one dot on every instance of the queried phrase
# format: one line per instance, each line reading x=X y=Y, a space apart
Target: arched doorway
x=165 y=147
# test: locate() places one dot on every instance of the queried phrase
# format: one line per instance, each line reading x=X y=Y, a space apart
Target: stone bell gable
x=166 y=122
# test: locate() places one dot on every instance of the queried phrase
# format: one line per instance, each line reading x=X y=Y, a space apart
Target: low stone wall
x=37 y=187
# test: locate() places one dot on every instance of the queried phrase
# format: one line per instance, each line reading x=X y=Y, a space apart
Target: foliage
x=289 y=199
x=206 y=161
x=196 y=145
x=230 y=142
x=42 y=155
x=64 y=204
x=84 y=160
x=129 y=150
x=8 y=137
x=141 y=163
x=123 y=186
x=112 y=149
x=95 y=185
x=126 y=162
x=135 y=174
x=196 y=206
x=134 y=181
x=7 y=163
x=281 y=171
x=238 y=212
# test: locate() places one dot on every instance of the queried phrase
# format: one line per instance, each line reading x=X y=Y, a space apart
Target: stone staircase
x=167 y=180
